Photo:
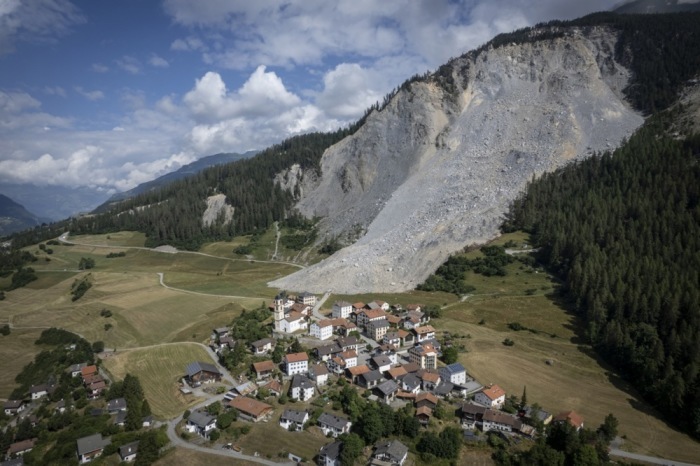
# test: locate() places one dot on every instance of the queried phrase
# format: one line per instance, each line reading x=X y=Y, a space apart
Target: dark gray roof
x=129 y=449
x=347 y=341
x=13 y=404
x=116 y=404
x=455 y=368
x=332 y=450
x=91 y=443
x=381 y=360
x=445 y=388
x=471 y=408
x=542 y=415
x=333 y=421
x=371 y=376
x=200 y=419
x=294 y=416
x=301 y=381
x=221 y=330
x=381 y=323
x=263 y=342
x=393 y=449
x=342 y=304
x=388 y=387
x=328 y=349
x=305 y=294
x=39 y=388
x=120 y=418
x=411 y=382
x=198 y=366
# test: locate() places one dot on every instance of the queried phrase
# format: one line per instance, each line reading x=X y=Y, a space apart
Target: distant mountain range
x=657 y=6
x=184 y=171
x=14 y=217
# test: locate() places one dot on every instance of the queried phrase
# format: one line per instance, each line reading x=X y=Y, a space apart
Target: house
x=492 y=396
x=13 y=407
x=392 y=338
x=129 y=451
x=411 y=367
x=444 y=389
x=118 y=404
x=96 y=388
x=382 y=363
x=540 y=414
x=296 y=363
x=219 y=333
x=366 y=316
x=349 y=343
x=274 y=387
x=263 y=369
x=397 y=373
x=88 y=371
x=75 y=369
x=471 y=415
x=390 y=452
x=455 y=373
x=245 y=389
x=407 y=338
x=329 y=455
x=353 y=373
x=376 y=329
x=324 y=353
x=393 y=320
x=39 y=391
x=323 y=329
x=426 y=399
x=306 y=298
x=147 y=421
x=424 y=414
x=201 y=372
x=430 y=379
x=424 y=355
x=226 y=343
x=294 y=322
x=370 y=379
x=301 y=388
x=60 y=406
x=20 y=448
x=293 y=420
x=411 y=383
x=319 y=374
x=343 y=326
x=413 y=308
x=201 y=423
x=377 y=304
x=91 y=447
x=334 y=425
x=386 y=391
x=263 y=346
x=251 y=409
x=570 y=417
x=120 y=419
x=388 y=351
x=341 y=309
x=301 y=309
x=498 y=420
x=423 y=333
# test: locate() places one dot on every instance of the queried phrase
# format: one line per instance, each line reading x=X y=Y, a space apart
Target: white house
x=296 y=363
x=329 y=455
x=39 y=391
x=391 y=452
x=492 y=396
x=293 y=420
x=333 y=425
x=455 y=373
x=341 y=309
x=376 y=329
x=91 y=447
x=201 y=423
x=295 y=321
x=263 y=346
x=129 y=451
x=323 y=329
x=498 y=420
x=426 y=332
x=302 y=388
x=306 y=298
x=319 y=374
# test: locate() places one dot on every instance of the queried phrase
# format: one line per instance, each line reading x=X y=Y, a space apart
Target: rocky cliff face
x=435 y=170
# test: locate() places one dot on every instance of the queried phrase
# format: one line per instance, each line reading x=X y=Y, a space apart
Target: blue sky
x=110 y=94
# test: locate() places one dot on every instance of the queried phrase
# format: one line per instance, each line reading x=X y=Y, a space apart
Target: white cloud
x=90 y=95
x=188 y=44
x=99 y=68
x=158 y=62
x=56 y=90
x=348 y=91
x=35 y=21
x=129 y=64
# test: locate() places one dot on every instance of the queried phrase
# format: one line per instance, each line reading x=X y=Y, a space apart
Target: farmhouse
x=296 y=363
x=354 y=373
x=20 y=448
x=251 y=409
x=570 y=417
x=326 y=352
x=201 y=372
x=220 y=332
x=13 y=407
x=91 y=447
x=293 y=420
x=471 y=415
x=274 y=387
x=498 y=420
x=333 y=425
x=411 y=383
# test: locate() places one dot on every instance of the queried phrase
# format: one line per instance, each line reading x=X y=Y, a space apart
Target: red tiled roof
x=250 y=406
x=427 y=396
x=358 y=370
x=263 y=366
x=88 y=370
x=296 y=357
x=493 y=392
x=572 y=417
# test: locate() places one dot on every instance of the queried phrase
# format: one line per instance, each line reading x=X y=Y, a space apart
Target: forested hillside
x=623 y=232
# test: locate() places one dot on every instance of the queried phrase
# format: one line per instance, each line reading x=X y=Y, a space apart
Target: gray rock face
x=434 y=171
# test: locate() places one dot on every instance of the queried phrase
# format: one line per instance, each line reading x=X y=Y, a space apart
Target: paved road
x=646 y=459
x=179 y=442
x=317 y=308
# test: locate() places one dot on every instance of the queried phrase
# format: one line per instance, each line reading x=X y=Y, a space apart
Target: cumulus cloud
x=35 y=21
x=55 y=90
x=347 y=91
x=99 y=68
x=129 y=64
x=90 y=95
x=158 y=62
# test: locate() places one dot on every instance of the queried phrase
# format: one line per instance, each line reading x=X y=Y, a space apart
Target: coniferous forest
x=623 y=232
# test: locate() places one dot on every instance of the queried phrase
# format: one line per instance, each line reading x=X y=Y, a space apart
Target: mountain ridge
x=15 y=217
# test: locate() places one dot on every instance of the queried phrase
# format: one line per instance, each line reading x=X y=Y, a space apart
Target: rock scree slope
x=436 y=168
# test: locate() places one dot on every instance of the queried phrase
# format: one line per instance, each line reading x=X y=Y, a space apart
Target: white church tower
x=279 y=310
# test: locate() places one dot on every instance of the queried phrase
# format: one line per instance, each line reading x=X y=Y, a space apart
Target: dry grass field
x=185 y=457
x=18 y=349
x=159 y=368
